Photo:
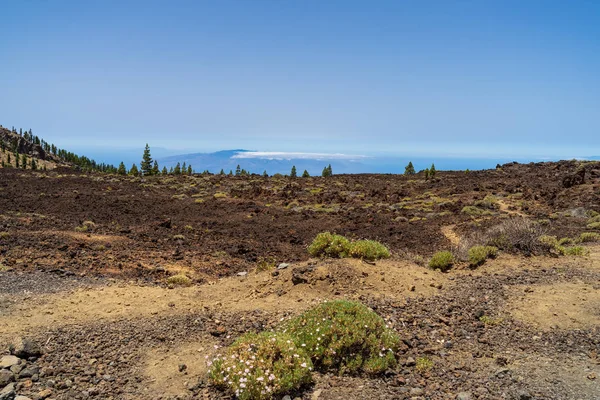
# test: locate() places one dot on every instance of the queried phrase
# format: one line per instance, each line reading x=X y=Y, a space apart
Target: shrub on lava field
x=475 y=211
x=442 y=260
x=179 y=280
x=586 y=237
x=423 y=364
x=566 y=241
x=4 y=235
x=576 y=251
x=327 y=244
x=86 y=226
x=346 y=337
x=490 y=202
x=368 y=250
x=261 y=366
x=478 y=254
x=518 y=235
x=594 y=225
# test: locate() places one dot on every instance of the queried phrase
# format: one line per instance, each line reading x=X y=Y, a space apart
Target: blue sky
x=478 y=78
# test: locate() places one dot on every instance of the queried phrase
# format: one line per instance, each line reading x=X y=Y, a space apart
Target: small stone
x=8 y=393
x=8 y=361
x=243 y=273
x=286 y=397
x=416 y=391
x=182 y=367
x=6 y=377
x=19 y=397
x=412 y=288
x=44 y=394
x=463 y=396
x=592 y=376
x=25 y=348
x=316 y=394
x=283 y=266
x=410 y=362
x=29 y=372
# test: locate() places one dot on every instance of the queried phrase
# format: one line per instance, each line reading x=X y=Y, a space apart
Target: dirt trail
x=448 y=232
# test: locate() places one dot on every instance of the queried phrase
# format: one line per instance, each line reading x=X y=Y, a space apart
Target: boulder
x=25 y=348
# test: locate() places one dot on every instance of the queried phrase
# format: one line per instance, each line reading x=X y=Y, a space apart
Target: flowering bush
x=260 y=366
x=345 y=336
x=368 y=250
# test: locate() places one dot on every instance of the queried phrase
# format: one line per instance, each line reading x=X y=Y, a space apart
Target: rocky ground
x=94 y=317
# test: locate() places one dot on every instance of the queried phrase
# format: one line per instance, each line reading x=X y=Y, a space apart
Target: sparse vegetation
x=587 y=237
x=479 y=254
x=327 y=244
x=261 y=366
x=368 y=250
x=179 y=280
x=475 y=211
x=576 y=251
x=442 y=260
x=346 y=337
x=86 y=226
x=423 y=364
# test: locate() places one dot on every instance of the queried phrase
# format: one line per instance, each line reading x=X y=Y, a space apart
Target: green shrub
x=550 y=241
x=474 y=211
x=442 y=260
x=327 y=244
x=179 y=280
x=592 y=213
x=261 y=366
x=586 y=237
x=576 y=251
x=490 y=202
x=565 y=241
x=86 y=226
x=346 y=337
x=368 y=250
x=594 y=225
x=178 y=237
x=478 y=254
x=4 y=235
x=594 y=219
x=423 y=364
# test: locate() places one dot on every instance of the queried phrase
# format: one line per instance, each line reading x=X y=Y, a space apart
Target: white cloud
x=282 y=155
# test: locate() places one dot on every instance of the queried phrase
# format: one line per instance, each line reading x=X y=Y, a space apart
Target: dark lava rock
x=25 y=348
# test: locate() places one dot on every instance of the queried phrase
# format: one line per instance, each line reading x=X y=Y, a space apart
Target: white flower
x=260 y=379
x=303 y=365
x=242 y=385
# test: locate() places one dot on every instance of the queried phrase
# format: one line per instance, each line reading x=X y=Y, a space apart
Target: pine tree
x=293 y=173
x=190 y=170
x=426 y=174
x=222 y=172
x=409 y=169
x=327 y=171
x=171 y=171
x=146 y=164
x=134 y=170
x=183 y=168
x=155 y=170
x=17 y=160
x=164 y=171
x=9 y=162
x=230 y=172
x=24 y=161
x=324 y=173
x=238 y=170
x=122 y=170
x=33 y=164
x=265 y=175
x=305 y=174
x=177 y=170
x=432 y=171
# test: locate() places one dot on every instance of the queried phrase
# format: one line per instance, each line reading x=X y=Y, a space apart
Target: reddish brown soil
x=270 y=219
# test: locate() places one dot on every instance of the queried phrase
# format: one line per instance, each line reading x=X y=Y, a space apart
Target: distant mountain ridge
x=227 y=160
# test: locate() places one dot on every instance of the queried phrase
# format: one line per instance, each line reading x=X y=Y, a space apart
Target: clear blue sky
x=457 y=77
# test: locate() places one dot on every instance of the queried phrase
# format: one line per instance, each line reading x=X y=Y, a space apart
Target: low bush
x=423 y=364
x=518 y=235
x=86 y=226
x=475 y=211
x=261 y=366
x=490 y=202
x=478 y=254
x=442 y=260
x=594 y=225
x=179 y=280
x=576 y=251
x=586 y=237
x=566 y=241
x=4 y=235
x=368 y=250
x=346 y=337
x=327 y=244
